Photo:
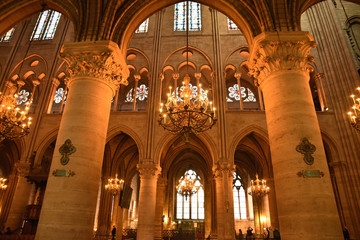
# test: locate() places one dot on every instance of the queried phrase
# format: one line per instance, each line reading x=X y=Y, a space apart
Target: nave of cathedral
x=100 y=77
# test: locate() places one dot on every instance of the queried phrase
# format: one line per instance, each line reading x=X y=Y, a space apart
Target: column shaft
x=147 y=201
x=69 y=205
x=224 y=201
x=306 y=206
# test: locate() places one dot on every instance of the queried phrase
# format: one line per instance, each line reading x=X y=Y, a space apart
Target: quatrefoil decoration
x=66 y=150
x=307 y=149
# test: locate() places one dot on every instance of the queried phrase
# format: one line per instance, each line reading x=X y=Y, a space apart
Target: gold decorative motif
x=66 y=150
x=63 y=173
x=307 y=149
x=272 y=54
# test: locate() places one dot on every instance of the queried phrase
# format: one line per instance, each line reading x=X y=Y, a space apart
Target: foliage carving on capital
x=147 y=170
x=270 y=55
x=101 y=60
x=224 y=170
x=101 y=65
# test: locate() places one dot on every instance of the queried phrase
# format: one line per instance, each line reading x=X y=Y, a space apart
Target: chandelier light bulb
x=355 y=117
x=3 y=186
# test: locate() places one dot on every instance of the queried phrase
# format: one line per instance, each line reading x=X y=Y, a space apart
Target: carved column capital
x=279 y=51
x=137 y=77
x=197 y=75
x=224 y=169
x=22 y=168
x=237 y=75
x=55 y=82
x=101 y=60
x=176 y=76
x=147 y=170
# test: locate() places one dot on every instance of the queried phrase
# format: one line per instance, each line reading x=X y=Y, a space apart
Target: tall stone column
x=306 y=205
x=21 y=196
x=160 y=198
x=223 y=173
x=96 y=71
x=149 y=173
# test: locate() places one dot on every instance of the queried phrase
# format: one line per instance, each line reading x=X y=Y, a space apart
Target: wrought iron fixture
x=258 y=187
x=355 y=117
x=188 y=184
x=3 y=186
x=187 y=112
x=14 y=122
x=114 y=185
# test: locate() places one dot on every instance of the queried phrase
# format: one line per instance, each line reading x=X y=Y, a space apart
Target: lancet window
x=240 y=210
x=7 y=36
x=143 y=28
x=191 y=207
x=46 y=25
x=194 y=16
x=232 y=25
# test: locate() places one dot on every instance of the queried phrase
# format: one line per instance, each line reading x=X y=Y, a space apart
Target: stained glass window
x=239 y=198
x=246 y=94
x=22 y=97
x=191 y=207
x=232 y=25
x=59 y=94
x=143 y=28
x=46 y=25
x=194 y=16
x=8 y=35
x=141 y=93
x=52 y=25
x=194 y=90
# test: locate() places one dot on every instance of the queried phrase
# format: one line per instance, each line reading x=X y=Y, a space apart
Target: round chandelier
x=14 y=122
x=355 y=117
x=3 y=186
x=188 y=184
x=185 y=114
x=258 y=187
x=114 y=185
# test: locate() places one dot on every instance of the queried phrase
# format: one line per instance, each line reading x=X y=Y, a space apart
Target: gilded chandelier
x=355 y=117
x=188 y=185
x=114 y=185
x=258 y=187
x=185 y=114
x=14 y=122
x=3 y=186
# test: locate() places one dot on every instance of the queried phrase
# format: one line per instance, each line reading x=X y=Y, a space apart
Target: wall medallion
x=66 y=150
x=307 y=149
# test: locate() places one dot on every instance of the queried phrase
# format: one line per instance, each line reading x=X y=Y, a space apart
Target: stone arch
x=13 y=12
x=112 y=132
x=261 y=132
x=167 y=139
x=241 y=13
x=121 y=156
x=41 y=147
